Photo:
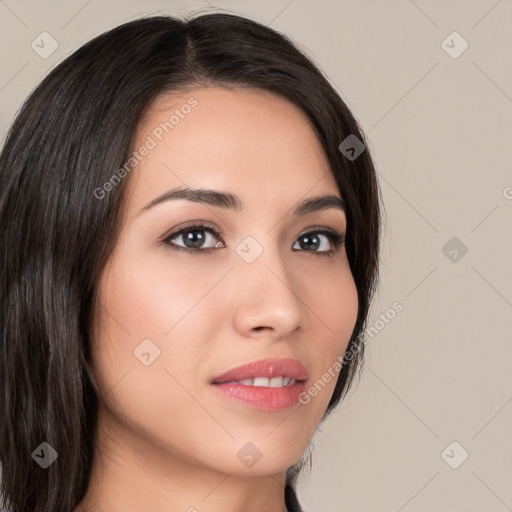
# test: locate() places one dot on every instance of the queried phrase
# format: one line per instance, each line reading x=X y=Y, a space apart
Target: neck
x=131 y=474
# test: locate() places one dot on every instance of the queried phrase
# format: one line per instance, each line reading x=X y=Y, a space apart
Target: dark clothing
x=290 y=498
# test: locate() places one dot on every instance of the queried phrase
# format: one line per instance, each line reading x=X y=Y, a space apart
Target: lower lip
x=263 y=398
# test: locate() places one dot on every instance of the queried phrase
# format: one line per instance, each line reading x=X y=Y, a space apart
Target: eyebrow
x=233 y=202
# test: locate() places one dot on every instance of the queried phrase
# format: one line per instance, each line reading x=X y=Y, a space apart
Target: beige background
x=440 y=129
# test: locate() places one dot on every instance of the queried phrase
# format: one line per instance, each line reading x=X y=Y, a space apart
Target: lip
x=269 y=368
x=262 y=397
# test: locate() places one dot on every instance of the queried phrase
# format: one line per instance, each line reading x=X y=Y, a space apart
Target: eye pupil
x=310 y=240
x=196 y=237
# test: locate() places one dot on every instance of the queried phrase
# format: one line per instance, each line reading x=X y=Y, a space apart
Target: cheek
x=332 y=300
x=333 y=308
x=158 y=300
x=150 y=298
x=157 y=310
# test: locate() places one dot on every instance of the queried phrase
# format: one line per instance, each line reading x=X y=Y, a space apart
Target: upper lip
x=269 y=368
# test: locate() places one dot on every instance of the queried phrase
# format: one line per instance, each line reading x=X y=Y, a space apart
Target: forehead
x=253 y=143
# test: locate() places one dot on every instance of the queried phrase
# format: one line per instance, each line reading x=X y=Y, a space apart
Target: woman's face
x=169 y=321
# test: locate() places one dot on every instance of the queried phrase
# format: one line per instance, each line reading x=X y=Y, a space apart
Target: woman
x=190 y=225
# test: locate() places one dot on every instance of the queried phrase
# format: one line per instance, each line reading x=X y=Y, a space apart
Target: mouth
x=265 y=373
x=267 y=384
x=264 y=382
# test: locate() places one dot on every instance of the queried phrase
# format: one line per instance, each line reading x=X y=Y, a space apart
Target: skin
x=166 y=441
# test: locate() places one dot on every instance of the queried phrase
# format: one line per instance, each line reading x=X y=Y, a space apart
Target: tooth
x=276 y=382
x=261 y=381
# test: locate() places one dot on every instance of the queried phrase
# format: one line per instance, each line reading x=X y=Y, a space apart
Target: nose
x=268 y=300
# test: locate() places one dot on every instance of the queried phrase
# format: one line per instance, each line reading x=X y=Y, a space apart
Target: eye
x=193 y=237
x=312 y=239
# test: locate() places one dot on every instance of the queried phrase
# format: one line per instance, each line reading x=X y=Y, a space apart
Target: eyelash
x=336 y=239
